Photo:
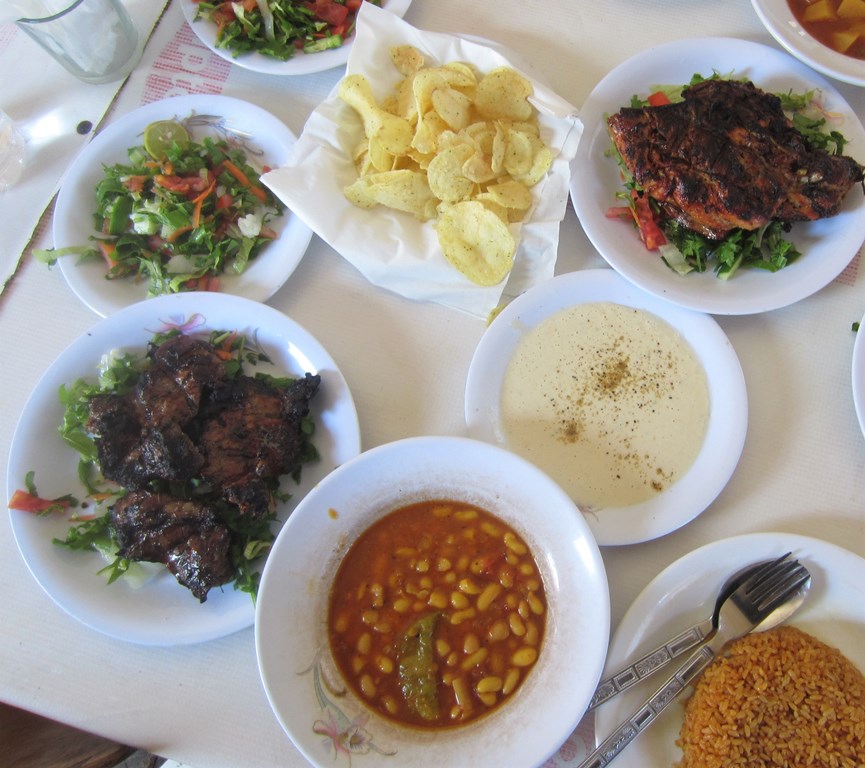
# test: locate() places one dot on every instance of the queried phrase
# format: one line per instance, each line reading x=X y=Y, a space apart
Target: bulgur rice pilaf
x=777 y=698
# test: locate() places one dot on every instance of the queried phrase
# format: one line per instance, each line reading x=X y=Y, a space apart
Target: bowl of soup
x=435 y=601
x=827 y=35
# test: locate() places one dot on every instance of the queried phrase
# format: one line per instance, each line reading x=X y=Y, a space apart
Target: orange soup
x=437 y=613
x=839 y=24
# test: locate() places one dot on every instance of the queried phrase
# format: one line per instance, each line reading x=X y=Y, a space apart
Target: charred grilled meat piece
x=183 y=367
x=133 y=453
x=187 y=536
x=726 y=157
x=140 y=437
x=249 y=433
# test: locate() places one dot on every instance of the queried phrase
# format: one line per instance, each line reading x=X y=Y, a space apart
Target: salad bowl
x=264 y=138
x=300 y=64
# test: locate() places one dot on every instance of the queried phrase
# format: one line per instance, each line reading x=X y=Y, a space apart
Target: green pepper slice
x=417 y=669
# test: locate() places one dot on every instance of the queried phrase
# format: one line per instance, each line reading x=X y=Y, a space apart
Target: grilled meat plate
x=727 y=157
x=186 y=420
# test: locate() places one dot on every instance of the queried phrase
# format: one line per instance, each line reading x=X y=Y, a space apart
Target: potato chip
x=519 y=153
x=510 y=194
x=379 y=157
x=447 y=145
x=491 y=205
x=500 y=145
x=407 y=59
x=426 y=136
x=503 y=93
x=478 y=168
x=453 y=107
x=476 y=241
x=403 y=190
x=445 y=174
x=541 y=163
x=394 y=133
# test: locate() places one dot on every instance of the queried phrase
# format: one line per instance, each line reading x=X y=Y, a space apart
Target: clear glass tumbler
x=94 y=39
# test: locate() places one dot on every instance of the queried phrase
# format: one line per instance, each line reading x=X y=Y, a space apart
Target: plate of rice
x=794 y=695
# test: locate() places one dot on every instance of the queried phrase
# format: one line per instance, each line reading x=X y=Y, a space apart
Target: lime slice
x=159 y=137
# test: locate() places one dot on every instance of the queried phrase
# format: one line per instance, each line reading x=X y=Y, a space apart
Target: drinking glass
x=94 y=39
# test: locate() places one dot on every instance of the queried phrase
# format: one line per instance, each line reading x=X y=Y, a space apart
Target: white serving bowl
x=320 y=714
x=778 y=18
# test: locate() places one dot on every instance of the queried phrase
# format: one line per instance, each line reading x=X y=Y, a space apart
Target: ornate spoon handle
x=646 y=714
x=652 y=662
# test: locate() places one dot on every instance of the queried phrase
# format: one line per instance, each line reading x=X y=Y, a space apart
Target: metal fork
x=777 y=584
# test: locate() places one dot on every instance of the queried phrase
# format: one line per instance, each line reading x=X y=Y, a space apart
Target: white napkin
x=393 y=249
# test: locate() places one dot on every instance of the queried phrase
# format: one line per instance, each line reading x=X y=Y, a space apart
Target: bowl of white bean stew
x=434 y=601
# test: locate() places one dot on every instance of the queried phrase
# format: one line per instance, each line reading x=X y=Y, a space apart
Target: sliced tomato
x=134 y=183
x=191 y=186
x=204 y=283
x=659 y=99
x=224 y=14
x=650 y=232
x=27 y=502
x=353 y=5
x=107 y=250
x=328 y=11
x=618 y=212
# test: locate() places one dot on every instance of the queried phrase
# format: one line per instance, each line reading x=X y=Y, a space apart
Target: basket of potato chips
x=436 y=167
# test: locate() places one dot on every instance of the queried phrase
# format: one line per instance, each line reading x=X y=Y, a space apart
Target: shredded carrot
x=223 y=351
x=199 y=202
x=206 y=192
x=236 y=172
x=244 y=180
x=178 y=232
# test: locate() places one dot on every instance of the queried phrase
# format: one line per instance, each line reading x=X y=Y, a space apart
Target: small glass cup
x=94 y=39
x=12 y=152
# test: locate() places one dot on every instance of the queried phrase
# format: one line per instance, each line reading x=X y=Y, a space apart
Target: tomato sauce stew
x=436 y=614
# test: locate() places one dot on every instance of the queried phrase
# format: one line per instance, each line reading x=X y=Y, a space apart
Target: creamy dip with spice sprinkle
x=609 y=400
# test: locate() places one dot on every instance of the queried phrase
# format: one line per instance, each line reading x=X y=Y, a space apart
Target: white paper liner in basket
x=392 y=249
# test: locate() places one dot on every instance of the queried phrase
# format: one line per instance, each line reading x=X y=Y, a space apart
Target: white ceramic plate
x=685 y=593
x=859 y=375
x=783 y=26
x=728 y=397
x=161 y=612
x=827 y=246
x=300 y=64
x=73 y=214
x=294 y=660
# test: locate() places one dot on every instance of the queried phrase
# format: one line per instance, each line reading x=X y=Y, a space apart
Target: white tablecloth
x=406 y=362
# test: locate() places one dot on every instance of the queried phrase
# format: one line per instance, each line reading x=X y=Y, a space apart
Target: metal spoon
x=693 y=637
